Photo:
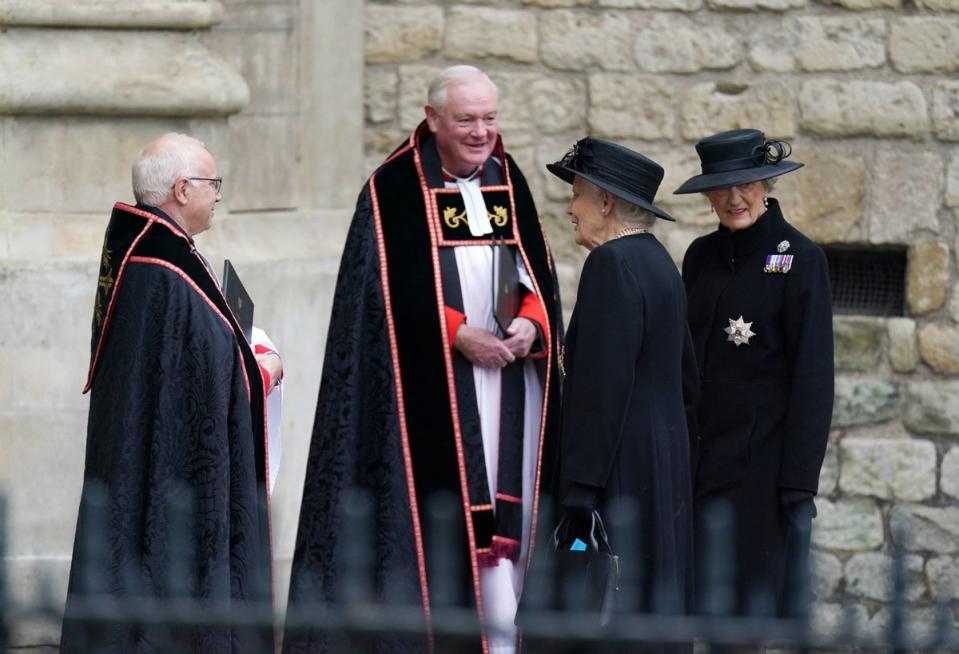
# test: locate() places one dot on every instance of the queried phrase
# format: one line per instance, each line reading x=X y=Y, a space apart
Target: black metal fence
x=355 y=620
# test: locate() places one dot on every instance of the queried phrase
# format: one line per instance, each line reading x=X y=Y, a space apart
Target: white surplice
x=502 y=586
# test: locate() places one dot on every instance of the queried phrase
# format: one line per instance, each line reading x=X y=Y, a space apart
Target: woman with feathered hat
x=761 y=319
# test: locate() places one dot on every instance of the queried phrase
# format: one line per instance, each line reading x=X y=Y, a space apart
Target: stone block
x=533 y=103
x=828 y=43
x=550 y=4
x=752 y=5
x=829 y=473
x=925 y=528
x=847 y=525
x=379 y=143
x=954 y=304
x=830 y=619
x=380 y=94
x=900 y=469
x=870 y=575
x=675 y=44
x=937 y=5
x=861 y=5
x=929 y=407
x=942 y=576
x=578 y=41
x=28 y=576
x=45 y=163
x=831 y=107
x=939 y=347
x=826 y=574
x=900 y=201
x=952 y=180
x=414 y=82
x=394 y=34
x=708 y=108
x=924 y=44
x=945 y=110
x=506 y=34
x=86 y=74
x=263 y=156
x=620 y=106
x=827 y=203
x=864 y=401
x=156 y=14
x=903 y=353
x=57 y=349
x=674 y=5
x=927 y=276
x=38 y=446
x=858 y=343
x=268 y=60
x=949 y=476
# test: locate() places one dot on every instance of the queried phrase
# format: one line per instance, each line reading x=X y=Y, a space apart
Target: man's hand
x=520 y=337
x=482 y=348
x=273 y=364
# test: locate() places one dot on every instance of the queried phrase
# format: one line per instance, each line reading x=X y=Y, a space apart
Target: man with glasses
x=175 y=491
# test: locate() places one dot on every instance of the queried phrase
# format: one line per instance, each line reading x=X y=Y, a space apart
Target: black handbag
x=587 y=571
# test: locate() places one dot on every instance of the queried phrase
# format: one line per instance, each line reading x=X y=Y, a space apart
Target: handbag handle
x=597 y=539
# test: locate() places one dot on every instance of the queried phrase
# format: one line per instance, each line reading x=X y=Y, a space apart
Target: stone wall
x=865 y=91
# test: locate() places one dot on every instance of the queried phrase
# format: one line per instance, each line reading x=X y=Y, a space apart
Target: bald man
x=177 y=421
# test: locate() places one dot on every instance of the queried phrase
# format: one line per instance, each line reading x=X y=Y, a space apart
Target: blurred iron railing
x=356 y=619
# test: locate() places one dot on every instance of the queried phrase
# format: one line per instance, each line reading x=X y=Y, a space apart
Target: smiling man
x=436 y=380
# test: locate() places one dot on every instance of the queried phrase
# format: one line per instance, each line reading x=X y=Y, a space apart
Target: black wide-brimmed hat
x=739 y=156
x=624 y=173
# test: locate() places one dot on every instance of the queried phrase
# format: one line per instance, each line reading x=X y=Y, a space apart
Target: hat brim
x=715 y=181
x=568 y=175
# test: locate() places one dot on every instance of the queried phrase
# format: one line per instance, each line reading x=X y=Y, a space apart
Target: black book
x=506 y=292
x=238 y=299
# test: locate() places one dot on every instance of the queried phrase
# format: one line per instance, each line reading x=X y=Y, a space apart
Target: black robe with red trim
x=174 y=500
x=384 y=421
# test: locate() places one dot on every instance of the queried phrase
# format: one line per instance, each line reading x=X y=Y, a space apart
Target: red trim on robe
x=532 y=309
x=454 y=319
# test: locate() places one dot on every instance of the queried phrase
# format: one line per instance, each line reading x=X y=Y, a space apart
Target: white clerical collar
x=477 y=216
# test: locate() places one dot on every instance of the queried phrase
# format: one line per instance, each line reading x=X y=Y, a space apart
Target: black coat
x=766 y=405
x=624 y=430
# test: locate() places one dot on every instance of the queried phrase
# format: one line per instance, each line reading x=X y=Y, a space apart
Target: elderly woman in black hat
x=624 y=427
x=761 y=319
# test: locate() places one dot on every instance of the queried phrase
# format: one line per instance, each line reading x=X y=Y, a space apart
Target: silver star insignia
x=739 y=331
x=783 y=246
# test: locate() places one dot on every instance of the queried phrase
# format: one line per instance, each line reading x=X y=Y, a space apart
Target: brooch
x=778 y=263
x=783 y=246
x=739 y=332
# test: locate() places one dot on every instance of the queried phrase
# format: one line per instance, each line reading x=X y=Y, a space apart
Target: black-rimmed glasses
x=216 y=182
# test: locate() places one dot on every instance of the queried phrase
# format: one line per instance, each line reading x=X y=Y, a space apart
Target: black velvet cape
x=384 y=423
x=176 y=413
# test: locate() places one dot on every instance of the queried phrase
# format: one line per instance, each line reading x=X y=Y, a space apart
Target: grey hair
x=436 y=95
x=633 y=213
x=161 y=163
x=626 y=211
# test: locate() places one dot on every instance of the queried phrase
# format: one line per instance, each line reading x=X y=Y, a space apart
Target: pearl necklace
x=628 y=231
